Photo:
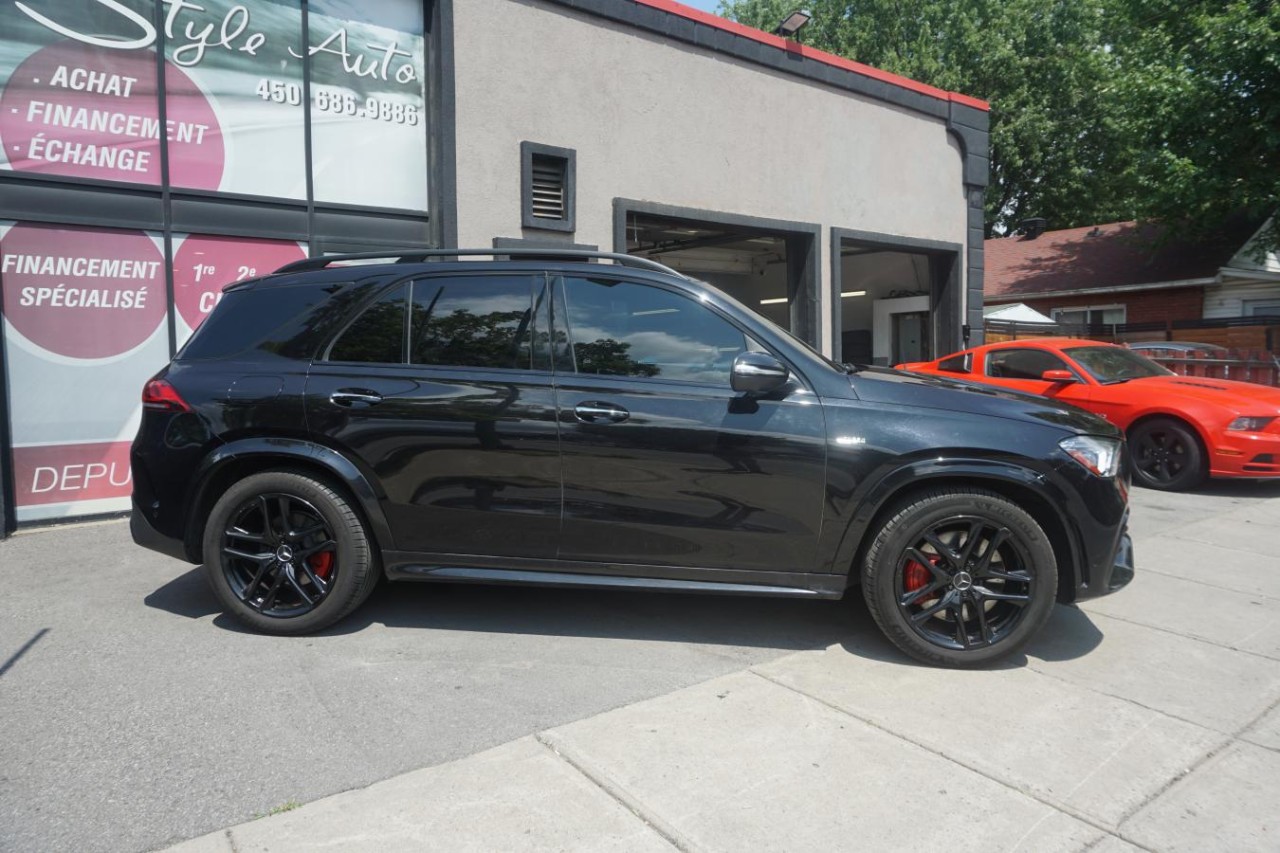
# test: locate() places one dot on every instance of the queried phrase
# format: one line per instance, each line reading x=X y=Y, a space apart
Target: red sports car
x=1181 y=429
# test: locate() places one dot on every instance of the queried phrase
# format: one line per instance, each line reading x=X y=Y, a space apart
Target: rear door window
x=484 y=321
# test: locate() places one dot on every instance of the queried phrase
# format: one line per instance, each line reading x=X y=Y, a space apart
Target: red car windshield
x=1111 y=365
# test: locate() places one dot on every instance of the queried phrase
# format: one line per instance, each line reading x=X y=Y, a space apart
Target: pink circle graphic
x=69 y=109
x=79 y=292
x=205 y=264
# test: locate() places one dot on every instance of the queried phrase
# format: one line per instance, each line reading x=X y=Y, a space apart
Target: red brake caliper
x=321 y=564
x=915 y=576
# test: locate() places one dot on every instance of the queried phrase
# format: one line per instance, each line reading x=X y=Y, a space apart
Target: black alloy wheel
x=960 y=577
x=279 y=555
x=1166 y=456
x=287 y=553
x=965 y=583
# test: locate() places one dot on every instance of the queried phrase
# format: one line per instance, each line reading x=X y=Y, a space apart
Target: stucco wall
x=668 y=122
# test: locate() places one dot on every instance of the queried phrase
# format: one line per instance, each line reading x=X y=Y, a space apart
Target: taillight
x=159 y=394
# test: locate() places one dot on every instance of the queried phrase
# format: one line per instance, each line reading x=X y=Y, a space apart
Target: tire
x=945 y=604
x=1167 y=455
x=276 y=578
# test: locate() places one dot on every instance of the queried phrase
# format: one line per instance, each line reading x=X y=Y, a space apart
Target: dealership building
x=154 y=151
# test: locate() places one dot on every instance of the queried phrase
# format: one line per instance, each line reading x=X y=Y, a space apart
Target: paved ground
x=594 y=721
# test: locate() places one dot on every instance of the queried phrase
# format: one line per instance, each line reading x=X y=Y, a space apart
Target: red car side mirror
x=1058 y=376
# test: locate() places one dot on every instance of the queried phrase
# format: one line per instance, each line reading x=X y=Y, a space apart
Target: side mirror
x=1058 y=376
x=758 y=373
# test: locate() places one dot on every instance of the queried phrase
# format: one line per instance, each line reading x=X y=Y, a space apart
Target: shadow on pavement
x=1232 y=488
x=623 y=615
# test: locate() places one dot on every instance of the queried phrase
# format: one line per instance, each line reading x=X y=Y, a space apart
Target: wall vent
x=547 y=187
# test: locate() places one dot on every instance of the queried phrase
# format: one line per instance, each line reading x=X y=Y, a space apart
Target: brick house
x=1121 y=273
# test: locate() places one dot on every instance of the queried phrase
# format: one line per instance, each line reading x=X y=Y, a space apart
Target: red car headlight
x=1249 y=424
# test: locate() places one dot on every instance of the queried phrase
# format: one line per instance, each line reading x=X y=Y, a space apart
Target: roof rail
x=417 y=256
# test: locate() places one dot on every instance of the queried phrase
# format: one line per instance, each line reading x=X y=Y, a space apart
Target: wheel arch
x=1181 y=417
x=1021 y=486
x=235 y=461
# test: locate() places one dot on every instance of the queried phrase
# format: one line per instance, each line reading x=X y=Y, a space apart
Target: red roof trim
x=683 y=11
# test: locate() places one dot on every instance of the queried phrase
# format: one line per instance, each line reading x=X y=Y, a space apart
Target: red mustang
x=1181 y=429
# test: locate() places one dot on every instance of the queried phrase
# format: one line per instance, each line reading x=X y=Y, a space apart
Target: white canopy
x=1015 y=313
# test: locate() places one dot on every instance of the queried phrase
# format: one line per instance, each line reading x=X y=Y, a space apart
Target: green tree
x=1101 y=110
x=1199 y=99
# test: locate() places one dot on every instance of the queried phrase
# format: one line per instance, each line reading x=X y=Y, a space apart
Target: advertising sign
x=80 y=95
x=204 y=264
x=85 y=326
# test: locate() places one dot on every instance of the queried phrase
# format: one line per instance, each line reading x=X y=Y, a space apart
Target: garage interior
x=756 y=267
x=889 y=301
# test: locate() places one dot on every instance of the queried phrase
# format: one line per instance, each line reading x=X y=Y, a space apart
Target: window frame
x=535 y=279
x=1055 y=313
x=1066 y=365
x=559 y=322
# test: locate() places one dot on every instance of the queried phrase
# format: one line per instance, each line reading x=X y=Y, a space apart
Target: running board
x=567 y=579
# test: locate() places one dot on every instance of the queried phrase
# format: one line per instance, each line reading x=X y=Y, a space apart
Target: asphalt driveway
x=136 y=716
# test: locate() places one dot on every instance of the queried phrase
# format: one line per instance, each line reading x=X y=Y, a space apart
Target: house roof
x=1119 y=255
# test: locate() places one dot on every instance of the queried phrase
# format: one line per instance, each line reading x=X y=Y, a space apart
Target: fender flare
x=974 y=471
x=312 y=455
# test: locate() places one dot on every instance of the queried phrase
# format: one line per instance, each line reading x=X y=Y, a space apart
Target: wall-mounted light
x=792 y=23
x=846 y=294
x=780 y=301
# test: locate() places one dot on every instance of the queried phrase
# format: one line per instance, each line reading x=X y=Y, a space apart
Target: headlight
x=1249 y=424
x=1099 y=455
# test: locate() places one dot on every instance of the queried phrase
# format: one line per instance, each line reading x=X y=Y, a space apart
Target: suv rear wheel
x=960 y=577
x=287 y=554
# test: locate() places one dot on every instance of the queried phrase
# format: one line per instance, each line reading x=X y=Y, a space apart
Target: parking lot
x=135 y=716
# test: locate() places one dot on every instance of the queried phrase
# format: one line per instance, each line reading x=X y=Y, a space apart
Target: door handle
x=597 y=413
x=352 y=397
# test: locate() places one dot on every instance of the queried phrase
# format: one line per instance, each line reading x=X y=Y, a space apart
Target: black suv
x=598 y=420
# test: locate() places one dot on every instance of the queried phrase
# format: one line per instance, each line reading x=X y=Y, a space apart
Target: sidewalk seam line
x=1213 y=643
x=1131 y=701
x=616 y=792
x=1268 y=596
x=1063 y=808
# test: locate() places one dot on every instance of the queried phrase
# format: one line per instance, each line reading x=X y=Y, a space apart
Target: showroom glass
x=473 y=321
x=628 y=329
x=1112 y=364
x=1022 y=363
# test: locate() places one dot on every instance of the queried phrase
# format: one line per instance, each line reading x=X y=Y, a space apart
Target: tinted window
x=957 y=363
x=627 y=329
x=1022 y=363
x=377 y=335
x=473 y=321
x=244 y=317
x=1113 y=364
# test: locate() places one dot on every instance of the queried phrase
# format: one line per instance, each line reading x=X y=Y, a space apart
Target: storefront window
x=85 y=325
x=79 y=90
x=234 y=92
x=204 y=264
x=368 y=122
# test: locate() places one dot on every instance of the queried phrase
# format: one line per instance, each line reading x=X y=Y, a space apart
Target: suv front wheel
x=960 y=577
x=287 y=554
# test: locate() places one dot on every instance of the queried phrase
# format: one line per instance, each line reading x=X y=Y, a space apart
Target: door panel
x=692 y=477
x=678 y=473
x=468 y=456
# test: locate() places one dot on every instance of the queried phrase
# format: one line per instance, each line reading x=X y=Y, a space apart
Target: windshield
x=1110 y=365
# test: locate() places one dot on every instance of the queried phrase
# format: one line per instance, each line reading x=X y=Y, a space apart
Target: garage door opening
x=770 y=270
x=894 y=301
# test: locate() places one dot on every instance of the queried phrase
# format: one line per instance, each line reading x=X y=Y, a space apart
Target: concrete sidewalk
x=1148 y=720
